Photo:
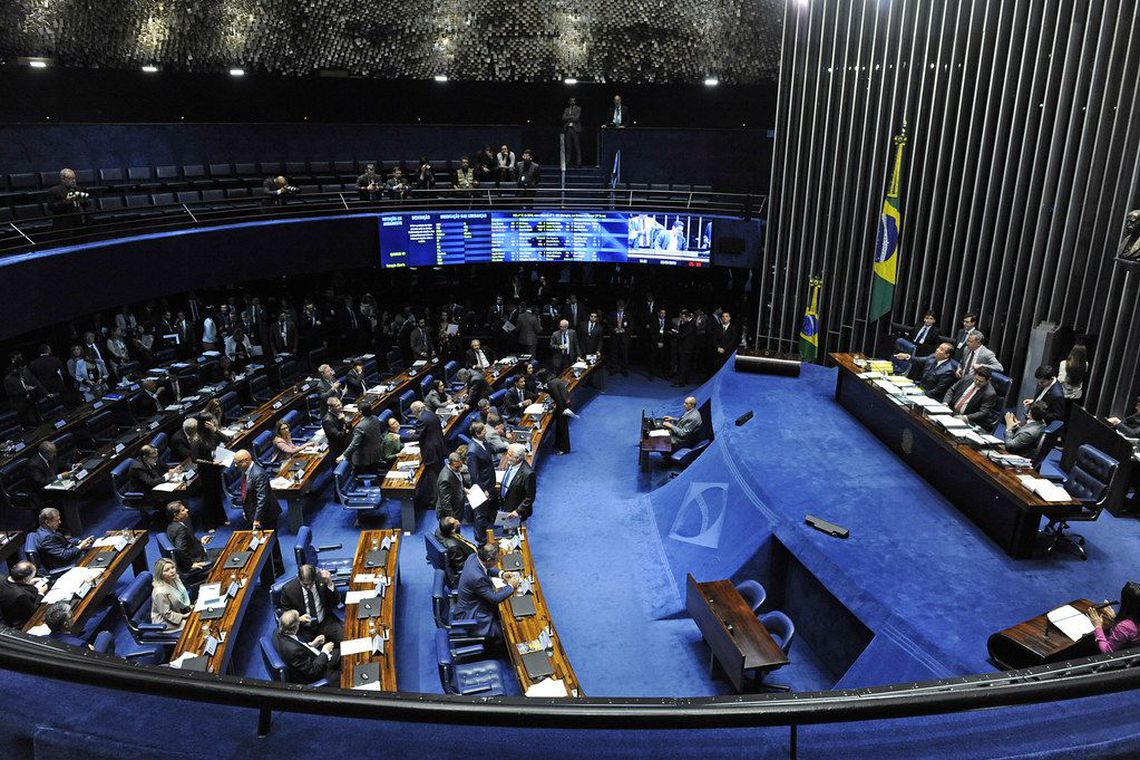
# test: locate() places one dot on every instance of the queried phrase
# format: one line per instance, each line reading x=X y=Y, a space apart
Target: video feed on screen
x=662 y=238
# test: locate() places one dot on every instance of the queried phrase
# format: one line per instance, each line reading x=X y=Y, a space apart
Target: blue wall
x=730 y=160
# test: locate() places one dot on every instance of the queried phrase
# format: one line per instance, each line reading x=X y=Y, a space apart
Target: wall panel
x=1023 y=157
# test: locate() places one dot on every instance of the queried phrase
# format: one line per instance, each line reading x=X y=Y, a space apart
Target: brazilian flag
x=887 y=241
x=809 y=330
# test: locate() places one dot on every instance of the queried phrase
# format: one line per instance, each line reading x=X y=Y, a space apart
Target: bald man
x=258 y=502
x=683 y=432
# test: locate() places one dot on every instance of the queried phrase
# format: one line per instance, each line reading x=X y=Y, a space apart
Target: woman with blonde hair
x=169 y=599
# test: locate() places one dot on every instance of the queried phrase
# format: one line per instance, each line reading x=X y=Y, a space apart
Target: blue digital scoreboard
x=441 y=238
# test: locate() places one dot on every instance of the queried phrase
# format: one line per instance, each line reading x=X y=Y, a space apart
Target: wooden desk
x=247 y=427
x=357 y=629
x=11 y=543
x=1038 y=642
x=661 y=444
x=519 y=631
x=990 y=495
x=132 y=555
x=225 y=629
x=736 y=638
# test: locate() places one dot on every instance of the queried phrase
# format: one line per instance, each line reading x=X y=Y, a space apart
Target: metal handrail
x=126 y=222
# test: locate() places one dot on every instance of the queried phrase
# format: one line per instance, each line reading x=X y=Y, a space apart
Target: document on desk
x=1072 y=622
x=550 y=687
x=71 y=584
x=949 y=422
x=119 y=542
x=40 y=630
x=475 y=496
x=281 y=483
x=355 y=597
x=504 y=520
x=411 y=448
x=659 y=433
x=1046 y=489
x=168 y=486
x=356 y=646
x=498 y=582
x=534 y=409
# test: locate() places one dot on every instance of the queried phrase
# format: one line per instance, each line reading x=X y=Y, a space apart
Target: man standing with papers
x=481 y=468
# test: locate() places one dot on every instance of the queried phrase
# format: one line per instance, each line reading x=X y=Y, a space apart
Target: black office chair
x=1087 y=483
x=460 y=631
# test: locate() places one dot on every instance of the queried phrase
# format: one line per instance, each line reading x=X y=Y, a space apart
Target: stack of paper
x=118 y=541
x=408 y=465
x=1046 y=489
x=1072 y=622
x=949 y=422
x=75 y=582
x=870 y=375
x=659 y=433
x=410 y=448
x=535 y=409
x=549 y=687
x=281 y=483
x=580 y=366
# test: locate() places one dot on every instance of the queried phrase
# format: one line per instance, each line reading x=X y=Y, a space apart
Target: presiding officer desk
x=114 y=562
x=532 y=632
x=235 y=581
x=372 y=670
x=989 y=494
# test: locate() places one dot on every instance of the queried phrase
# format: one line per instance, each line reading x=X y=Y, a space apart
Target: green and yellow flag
x=809 y=330
x=887 y=240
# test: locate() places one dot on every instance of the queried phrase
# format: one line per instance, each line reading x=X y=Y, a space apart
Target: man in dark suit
x=1049 y=393
x=276 y=191
x=592 y=334
x=365 y=448
x=939 y=371
x=519 y=484
x=974 y=399
x=354 y=383
x=1024 y=437
x=516 y=400
x=313 y=594
x=481 y=469
x=925 y=336
x=68 y=202
x=49 y=371
x=560 y=394
x=258 y=502
x=564 y=346
x=686 y=348
x=619 y=117
x=1129 y=427
x=283 y=335
x=327 y=385
x=658 y=333
x=457 y=549
x=305 y=662
x=619 y=328
x=573 y=312
x=433 y=451
x=20 y=594
x=149 y=401
x=726 y=338
x=190 y=555
x=43 y=466
x=969 y=324
x=22 y=390
x=478 y=597
x=420 y=339
x=529 y=327
x=56 y=549
x=449 y=494
x=478 y=357
x=337 y=431
x=145 y=473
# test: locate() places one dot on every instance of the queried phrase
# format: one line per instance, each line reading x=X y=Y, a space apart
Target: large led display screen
x=440 y=238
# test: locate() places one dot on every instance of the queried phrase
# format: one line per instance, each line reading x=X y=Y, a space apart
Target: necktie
x=244 y=482
x=921 y=334
x=507 y=480
x=969 y=363
x=310 y=595
x=565 y=342
x=960 y=407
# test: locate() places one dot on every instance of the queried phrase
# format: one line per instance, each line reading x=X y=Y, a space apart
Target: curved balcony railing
x=40 y=233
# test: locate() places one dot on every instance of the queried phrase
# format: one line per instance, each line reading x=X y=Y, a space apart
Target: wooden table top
x=1034 y=641
x=81 y=608
x=528 y=629
x=1005 y=478
x=738 y=623
x=357 y=629
x=226 y=627
x=248 y=426
x=536 y=427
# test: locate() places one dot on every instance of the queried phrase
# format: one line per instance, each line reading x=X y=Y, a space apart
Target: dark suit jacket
x=56 y=549
x=457 y=551
x=67 y=213
x=1054 y=401
x=481 y=468
x=1025 y=439
x=260 y=504
x=301 y=665
x=592 y=344
x=433 y=449
x=728 y=339
x=478 y=597
x=626 y=121
x=354 y=385
x=179 y=446
x=572 y=341
x=573 y=318
x=364 y=450
x=293 y=598
x=936 y=379
x=142 y=478
x=187 y=548
x=513 y=401
x=983 y=407
x=40 y=472
x=336 y=431
x=18 y=602
x=929 y=341
x=469 y=357
x=49 y=371
x=520 y=495
x=449 y=494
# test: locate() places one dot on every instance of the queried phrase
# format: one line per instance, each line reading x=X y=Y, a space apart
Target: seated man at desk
x=190 y=554
x=1024 y=437
x=58 y=620
x=144 y=474
x=304 y=662
x=457 y=547
x=1050 y=393
x=20 y=594
x=56 y=549
x=973 y=398
x=939 y=371
x=1129 y=427
x=328 y=386
x=1116 y=631
x=43 y=468
x=478 y=597
x=312 y=593
x=684 y=431
x=517 y=399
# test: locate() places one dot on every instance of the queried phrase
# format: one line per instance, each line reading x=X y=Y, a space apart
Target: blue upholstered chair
x=405 y=404
x=1048 y=442
x=753 y=593
x=903 y=346
x=1088 y=483
x=32 y=553
x=134 y=607
x=263 y=451
x=449 y=370
x=484 y=677
x=275 y=666
x=355 y=493
x=132 y=501
x=305 y=552
x=781 y=627
x=436 y=554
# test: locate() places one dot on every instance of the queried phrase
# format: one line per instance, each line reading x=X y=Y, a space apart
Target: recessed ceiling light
x=440 y=77
x=711 y=82
x=37 y=64
x=237 y=72
x=570 y=80
x=149 y=69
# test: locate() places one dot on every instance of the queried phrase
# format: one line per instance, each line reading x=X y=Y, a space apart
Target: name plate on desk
x=59 y=423
x=96 y=404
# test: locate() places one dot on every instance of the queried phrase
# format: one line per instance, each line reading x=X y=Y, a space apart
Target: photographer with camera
x=277 y=191
x=67 y=202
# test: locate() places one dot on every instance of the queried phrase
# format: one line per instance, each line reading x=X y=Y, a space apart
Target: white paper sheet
x=355 y=646
x=355 y=597
x=476 y=496
x=548 y=687
x=1072 y=622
